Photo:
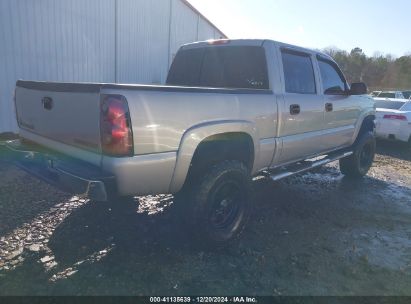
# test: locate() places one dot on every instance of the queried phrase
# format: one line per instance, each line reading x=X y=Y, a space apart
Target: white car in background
x=393 y=119
x=391 y=95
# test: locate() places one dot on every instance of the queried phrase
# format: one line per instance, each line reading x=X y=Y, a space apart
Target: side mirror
x=358 y=88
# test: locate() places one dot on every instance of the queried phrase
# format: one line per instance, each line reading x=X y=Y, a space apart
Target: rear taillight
x=115 y=126
x=395 y=116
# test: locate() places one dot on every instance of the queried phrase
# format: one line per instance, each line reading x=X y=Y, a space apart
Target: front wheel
x=219 y=204
x=358 y=164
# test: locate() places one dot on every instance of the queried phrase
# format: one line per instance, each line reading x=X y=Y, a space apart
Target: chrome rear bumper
x=63 y=172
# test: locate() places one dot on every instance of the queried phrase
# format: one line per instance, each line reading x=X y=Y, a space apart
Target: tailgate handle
x=47 y=103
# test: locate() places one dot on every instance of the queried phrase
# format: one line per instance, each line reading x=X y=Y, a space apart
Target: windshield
x=407 y=94
x=406 y=107
x=386 y=95
x=393 y=105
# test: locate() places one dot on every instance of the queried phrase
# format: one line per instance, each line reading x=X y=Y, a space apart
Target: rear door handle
x=295 y=109
x=329 y=107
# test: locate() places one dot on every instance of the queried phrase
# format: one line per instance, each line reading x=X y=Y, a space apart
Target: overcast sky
x=379 y=25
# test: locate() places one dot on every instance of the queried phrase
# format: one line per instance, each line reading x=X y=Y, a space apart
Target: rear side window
x=221 y=67
x=332 y=78
x=298 y=73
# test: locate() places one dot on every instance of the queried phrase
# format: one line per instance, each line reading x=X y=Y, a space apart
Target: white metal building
x=124 y=41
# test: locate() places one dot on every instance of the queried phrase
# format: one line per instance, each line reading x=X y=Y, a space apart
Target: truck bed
x=74 y=117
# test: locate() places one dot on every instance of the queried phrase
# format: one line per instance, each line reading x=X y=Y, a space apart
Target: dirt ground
x=314 y=234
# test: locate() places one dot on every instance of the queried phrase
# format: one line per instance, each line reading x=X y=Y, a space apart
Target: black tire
x=218 y=205
x=358 y=164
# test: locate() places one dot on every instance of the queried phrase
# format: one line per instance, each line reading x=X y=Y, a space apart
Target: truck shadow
x=394 y=149
x=143 y=249
x=98 y=226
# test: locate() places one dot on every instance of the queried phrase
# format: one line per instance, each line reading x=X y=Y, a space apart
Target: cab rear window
x=242 y=67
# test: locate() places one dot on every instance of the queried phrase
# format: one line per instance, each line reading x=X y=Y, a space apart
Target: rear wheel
x=358 y=164
x=218 y=205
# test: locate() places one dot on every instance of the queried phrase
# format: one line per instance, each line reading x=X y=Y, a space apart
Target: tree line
x=379 y=72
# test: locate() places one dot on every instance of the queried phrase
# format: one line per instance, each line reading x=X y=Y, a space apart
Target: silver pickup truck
x=231 y=110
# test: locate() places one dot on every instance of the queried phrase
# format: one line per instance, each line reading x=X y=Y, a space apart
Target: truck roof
x=250 y=42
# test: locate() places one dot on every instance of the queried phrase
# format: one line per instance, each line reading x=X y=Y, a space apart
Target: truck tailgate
x=63 y=113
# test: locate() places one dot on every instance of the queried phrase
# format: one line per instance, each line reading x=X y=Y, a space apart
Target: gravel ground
x=315 y=234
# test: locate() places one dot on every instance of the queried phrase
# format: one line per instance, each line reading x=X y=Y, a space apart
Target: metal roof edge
x=188 y=4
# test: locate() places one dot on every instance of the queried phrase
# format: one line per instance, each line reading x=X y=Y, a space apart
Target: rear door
x=341 y=109
x=303 y=108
